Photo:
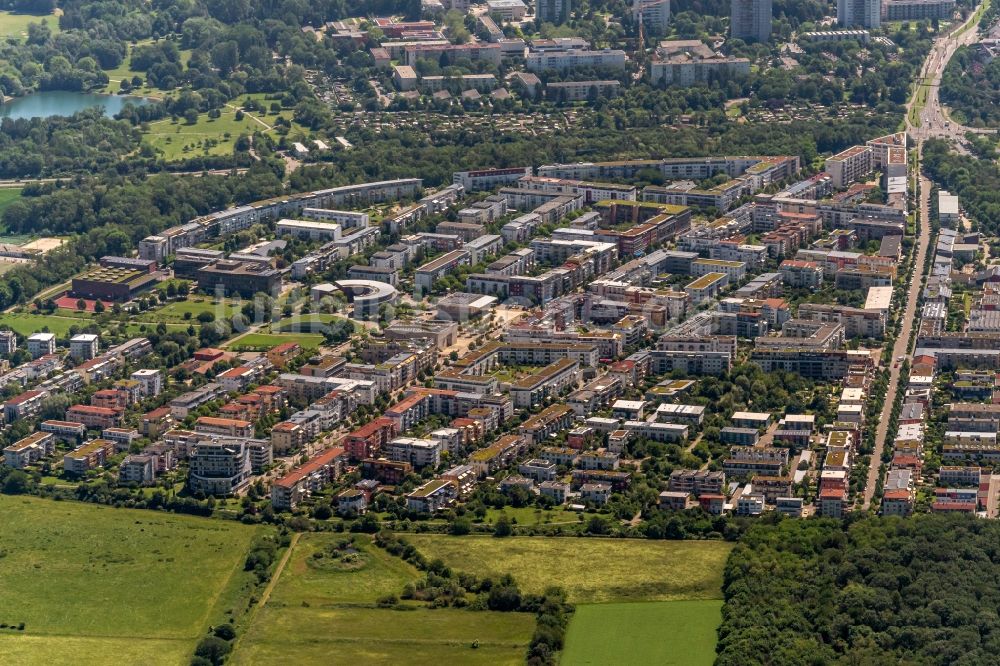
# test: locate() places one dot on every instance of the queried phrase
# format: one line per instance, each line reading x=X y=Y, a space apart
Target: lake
x=63 y=103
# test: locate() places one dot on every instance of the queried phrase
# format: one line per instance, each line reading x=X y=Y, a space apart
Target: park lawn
x=98 y=578
x=614 y=569
x=263 y=341
x=16 y=25
x=669 y=633
x=9 y=195
x=26 y=324
x=323 y=608
x=173 y=137
x=324 y=583
x=307 y=323
x=174 y=310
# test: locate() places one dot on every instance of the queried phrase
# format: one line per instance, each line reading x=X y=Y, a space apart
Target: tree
x=17 y=483
x=81 y=304
x=214 y=649
x=98 y=307
x=503 y=527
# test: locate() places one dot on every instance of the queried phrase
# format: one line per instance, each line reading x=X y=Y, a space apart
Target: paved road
x=932 y=124
x=934 y=120
x=901 y=346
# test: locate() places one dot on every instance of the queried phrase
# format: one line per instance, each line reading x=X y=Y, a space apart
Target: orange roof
x=156 y=414
x=90 y=409
x=325 y=458
x=372 y=427
x=23 y=397
x=214 y=421
x=407 y=403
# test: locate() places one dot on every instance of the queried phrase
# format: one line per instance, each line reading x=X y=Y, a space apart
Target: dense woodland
x=924 y=590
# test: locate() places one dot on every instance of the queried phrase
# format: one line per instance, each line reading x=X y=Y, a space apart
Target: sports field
x=323 y=610
x=668 y=633
x=264 y=341
x=97 y=585
x=590 y=570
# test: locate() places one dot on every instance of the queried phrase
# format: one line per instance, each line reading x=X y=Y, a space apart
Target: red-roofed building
x=94 y=417
x=235 y=410
x=897 y=502
x=110 y=398
x=156 y=421
x=409 y=411
x=952 y=506
x=368 y=440
x=237 y=379
x=713 y=504
x=280 y=355
x=23 y=405
x=297 y=485
x=287 y=436
x=209 y=354
x=220 y=426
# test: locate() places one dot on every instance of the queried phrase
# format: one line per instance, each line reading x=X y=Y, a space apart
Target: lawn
x=100 y=585
x=324 y=606
x=669 y=633
x=307 y=323
x=26 y=324
x=16 y=25
x=602 y=570
x=174 y=310
x=179 y=140
x=322 y=582
x=262 y=341
x=9 y=195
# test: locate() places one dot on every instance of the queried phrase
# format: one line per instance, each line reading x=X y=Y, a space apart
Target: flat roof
x=879 y=298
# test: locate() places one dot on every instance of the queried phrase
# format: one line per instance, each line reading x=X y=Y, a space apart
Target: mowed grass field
x=322 y=611
x=97 y=585
x=174 y=310
x=590 y=570
x=264 y=341
x=178 y=140
x=16 y=25
x=668 y=633
x=8 y=195
x=26 y=324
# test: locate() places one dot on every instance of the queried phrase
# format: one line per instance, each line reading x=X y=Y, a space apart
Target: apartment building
x=750 y=20
x=29 y=450
x=291 y=489
x=855 y=163
x=219 y=466
x=94 y=417
x=90 y=455
x=745 y=461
